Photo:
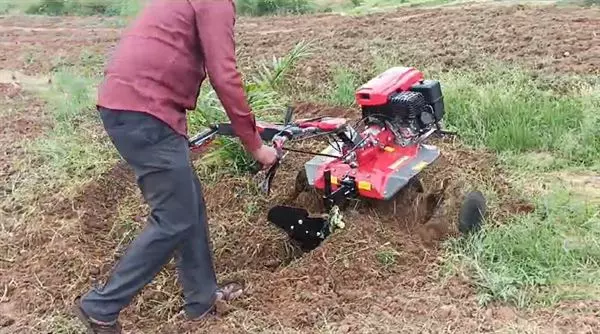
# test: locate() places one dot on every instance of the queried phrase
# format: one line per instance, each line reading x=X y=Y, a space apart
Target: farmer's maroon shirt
x=164 y=57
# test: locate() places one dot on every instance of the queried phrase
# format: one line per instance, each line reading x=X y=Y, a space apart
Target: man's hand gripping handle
x=278 y=142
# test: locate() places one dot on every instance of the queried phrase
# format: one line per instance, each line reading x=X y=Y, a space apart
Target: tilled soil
x=379 y=274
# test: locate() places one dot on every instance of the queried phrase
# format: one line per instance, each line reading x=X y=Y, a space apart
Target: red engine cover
x=377 y=91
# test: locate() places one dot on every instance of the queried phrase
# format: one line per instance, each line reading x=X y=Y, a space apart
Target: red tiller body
x=382 y=166
x=376 y=165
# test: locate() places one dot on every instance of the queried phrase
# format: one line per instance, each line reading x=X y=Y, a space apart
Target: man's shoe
x=226 y=293
x=93 y=326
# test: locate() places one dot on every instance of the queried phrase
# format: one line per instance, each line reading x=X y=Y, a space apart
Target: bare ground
x=378 y=275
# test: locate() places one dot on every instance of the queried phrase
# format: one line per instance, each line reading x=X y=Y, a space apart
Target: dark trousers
x=177 y=224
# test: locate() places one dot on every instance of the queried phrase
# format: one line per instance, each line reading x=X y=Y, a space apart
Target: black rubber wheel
x=472 y=212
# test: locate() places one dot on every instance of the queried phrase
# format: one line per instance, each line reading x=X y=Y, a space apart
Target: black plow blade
x=308 y=232
x=472 y=212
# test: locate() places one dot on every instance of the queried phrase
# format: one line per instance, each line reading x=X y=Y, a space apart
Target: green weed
x=273 y=75
x=62 y=324
x=267 y=103
x=345 y=84
x=387 y=257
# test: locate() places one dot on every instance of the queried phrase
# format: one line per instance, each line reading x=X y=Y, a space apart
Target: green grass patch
x=73 y=149
x=129 y=8
x=507 y=111
x=7 y=6
x=536 y=259
x=75 y=146
x=274 y=7
x=551 y=255
x=83 y=7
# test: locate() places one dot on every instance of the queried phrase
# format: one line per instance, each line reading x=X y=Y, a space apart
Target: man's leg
x=160 y=159
x=195 y=263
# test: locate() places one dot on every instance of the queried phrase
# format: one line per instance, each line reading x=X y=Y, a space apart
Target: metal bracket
x=346 y=190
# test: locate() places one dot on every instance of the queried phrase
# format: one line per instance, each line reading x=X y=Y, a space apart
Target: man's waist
x=125 y=97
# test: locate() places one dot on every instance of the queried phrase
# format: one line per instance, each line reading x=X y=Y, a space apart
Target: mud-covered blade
x=308 y=231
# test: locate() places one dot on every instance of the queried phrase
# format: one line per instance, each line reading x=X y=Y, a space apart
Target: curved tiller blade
x=307 y=231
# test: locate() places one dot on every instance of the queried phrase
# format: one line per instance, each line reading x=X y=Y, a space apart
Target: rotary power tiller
x=374 y=159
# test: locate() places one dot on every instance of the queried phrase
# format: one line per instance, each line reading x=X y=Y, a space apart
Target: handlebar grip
x=278 y=142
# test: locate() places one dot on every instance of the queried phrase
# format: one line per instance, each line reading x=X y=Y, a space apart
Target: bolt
x=300 y=221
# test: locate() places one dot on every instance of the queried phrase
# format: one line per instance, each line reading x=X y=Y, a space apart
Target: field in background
x=245 y=7
x=521 y=87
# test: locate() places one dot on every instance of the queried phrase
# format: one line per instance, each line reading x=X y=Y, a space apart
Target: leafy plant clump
x=267 y=103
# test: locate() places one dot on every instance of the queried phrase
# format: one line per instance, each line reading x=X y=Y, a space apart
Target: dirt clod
x=505 y=314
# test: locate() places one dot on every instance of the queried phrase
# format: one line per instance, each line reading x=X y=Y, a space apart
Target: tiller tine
x=308 y=232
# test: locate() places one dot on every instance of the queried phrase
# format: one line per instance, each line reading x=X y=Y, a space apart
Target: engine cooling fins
x=308 y=232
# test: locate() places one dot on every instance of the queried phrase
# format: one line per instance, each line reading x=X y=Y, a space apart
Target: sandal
x=226 y=293
x=93 y=326
x=229 y=291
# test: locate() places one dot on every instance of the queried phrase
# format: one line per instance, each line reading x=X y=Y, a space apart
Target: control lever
x=265 y=185
x=288 y=116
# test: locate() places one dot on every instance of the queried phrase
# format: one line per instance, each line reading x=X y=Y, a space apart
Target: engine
x=401 y=100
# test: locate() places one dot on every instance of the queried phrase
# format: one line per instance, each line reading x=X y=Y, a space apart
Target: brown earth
x=378 y=275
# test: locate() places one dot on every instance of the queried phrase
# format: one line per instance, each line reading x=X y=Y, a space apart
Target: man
x=152 y=79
